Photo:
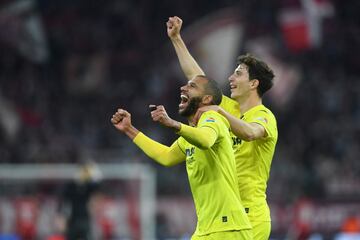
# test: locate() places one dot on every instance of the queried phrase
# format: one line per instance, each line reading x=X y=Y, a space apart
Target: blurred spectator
x=76 y=198
x=351 y=225
x=350 y=229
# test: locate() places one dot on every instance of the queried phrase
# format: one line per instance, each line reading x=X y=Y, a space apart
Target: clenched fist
x=173 y=27
x=121 y=120
x=159 y=114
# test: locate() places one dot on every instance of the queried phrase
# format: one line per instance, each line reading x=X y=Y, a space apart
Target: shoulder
x=264 y=116
x=260 y=110
x=266 y=112
x=230 y=105
x=227 y=100
x=213 y=117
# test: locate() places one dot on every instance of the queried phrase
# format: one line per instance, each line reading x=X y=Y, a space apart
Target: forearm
x=244 y=130
x=188 y=64
x=173 y=124
x=131 y=132
x=167 y=156
x=202 y=138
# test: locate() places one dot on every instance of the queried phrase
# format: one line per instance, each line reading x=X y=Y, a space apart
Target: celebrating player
x=255 y=130
x=210 y=161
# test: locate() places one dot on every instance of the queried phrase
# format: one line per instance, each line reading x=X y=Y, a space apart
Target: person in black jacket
x=76 y=198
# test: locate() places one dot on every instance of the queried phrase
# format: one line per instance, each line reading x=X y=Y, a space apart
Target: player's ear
x=254 y=83
x=207 y=100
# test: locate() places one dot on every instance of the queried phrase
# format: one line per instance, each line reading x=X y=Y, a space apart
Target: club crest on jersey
x=210 y=119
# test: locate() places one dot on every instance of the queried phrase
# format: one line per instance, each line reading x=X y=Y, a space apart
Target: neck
x=248 y=103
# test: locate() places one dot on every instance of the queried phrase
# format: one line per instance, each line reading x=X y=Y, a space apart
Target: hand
x=173 y=27
x=201 y=110
x=121 y=120
x=159 y=114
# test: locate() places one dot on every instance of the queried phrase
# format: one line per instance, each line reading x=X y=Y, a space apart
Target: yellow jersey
x=213 y=180
x=231 y=106
x=253 y=162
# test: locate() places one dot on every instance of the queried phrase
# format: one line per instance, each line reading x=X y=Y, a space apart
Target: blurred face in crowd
x=84 y=173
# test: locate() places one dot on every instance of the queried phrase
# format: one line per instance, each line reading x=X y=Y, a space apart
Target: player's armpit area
x=166 y=156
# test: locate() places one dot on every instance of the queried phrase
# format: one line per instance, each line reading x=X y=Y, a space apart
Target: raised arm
x=167 y=156
x=188 y=64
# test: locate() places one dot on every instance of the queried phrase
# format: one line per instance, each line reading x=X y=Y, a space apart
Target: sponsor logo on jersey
x=189 y=155
x=236 y=141
x=189 y=151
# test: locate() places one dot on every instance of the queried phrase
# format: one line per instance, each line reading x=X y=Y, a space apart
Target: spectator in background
x=76 y=198
x=350 y=229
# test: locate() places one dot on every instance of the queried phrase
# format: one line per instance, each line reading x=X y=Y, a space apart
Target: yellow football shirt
x=231 y=106
x=213 y=180
x=253 y=162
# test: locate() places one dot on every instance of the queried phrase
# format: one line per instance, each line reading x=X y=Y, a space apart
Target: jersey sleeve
x=181 y=142
x=167 y=156
x=213 y=120
x=265 y=119
x=207 y=131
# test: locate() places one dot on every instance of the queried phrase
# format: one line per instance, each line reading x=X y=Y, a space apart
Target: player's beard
x=191 y=108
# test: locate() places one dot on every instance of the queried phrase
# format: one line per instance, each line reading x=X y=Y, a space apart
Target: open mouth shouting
x=184 y=101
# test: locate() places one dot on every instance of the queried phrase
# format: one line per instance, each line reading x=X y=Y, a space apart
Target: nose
x=183 y=88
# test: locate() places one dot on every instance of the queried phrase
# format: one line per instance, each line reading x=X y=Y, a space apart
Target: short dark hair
x=212 y=88
x=258 y=70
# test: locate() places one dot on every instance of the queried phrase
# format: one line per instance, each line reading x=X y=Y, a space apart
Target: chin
x=185 y=112
x=182 y=113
